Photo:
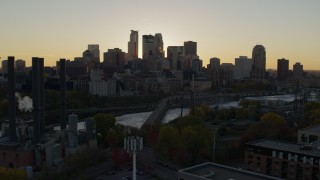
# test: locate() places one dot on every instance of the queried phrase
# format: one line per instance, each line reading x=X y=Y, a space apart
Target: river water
x=137 y=119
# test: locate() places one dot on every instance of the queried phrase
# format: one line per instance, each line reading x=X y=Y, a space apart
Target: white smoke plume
x=25 y=103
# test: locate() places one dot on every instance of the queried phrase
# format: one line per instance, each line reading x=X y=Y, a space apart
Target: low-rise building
x=309 y=134
x=283 y=159
x=217 y=171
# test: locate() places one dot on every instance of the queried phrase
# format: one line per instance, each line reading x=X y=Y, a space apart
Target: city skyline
x=227 y=30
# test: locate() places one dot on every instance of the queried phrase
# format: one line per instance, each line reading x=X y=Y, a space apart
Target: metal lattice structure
x=132 y=145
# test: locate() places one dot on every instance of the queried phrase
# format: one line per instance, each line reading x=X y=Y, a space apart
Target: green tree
x=242 y=113
x=114 y=138
x=190 y=120
x=169 y=143
x=103 y=123
x=310 y=113
x=197 y=140
x=12 y=174
x=272 y=125
x=80 y=99
x=273 y=119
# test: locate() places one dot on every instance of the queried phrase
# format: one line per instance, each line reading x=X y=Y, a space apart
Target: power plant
x=27 y=143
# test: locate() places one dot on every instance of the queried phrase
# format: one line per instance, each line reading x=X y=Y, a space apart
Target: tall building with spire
x=259 y=62
x=133 y=45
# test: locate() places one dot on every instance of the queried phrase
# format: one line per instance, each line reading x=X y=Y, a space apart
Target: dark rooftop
x=312 y=129
x=218 y=171
x=313 y=148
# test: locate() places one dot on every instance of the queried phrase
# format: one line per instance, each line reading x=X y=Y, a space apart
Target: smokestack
x=41 y=96
x=35 y=100
x=12 y=100
x=62 y=72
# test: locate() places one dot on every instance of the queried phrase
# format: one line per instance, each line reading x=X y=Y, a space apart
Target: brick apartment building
x=284 y=159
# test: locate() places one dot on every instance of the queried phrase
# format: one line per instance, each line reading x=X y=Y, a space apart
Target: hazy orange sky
x=223 y=28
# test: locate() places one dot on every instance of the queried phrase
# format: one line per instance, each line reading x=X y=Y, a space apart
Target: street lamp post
x=132 y=145
x=214 y=131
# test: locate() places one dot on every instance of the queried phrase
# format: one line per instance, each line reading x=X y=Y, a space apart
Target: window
x=312 y=138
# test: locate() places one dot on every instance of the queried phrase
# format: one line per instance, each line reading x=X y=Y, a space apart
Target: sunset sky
x=223 y=28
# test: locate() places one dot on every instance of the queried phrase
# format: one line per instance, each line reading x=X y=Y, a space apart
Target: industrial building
x=32 y=143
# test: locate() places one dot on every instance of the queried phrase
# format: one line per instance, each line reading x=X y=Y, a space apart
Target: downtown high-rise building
x=159 y=45
x=114 y=58
x=95 y=51
x=148 y=46
x=214 y=63
x=226 y=74
x=258 y=70
x=133 y=45
x=283 y=69
x=20 y=65
x=190 y=48
x=242 y=68
x=152 y=46
x=298 y=70
x=4 y=66
x=175 y=55
x=214 y=71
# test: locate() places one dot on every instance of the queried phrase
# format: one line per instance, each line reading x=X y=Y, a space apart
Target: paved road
x=159 y=171
x=119 y=175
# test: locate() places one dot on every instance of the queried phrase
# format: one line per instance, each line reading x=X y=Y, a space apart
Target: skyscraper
x=214 y=63
x=190 y=48
x=159 y=45
x=95 y=51
x=226 y=74
x=4 y=66
x=148 y=46
x=214 y=69
x=297 y=70
x=133 y=45
x=175 y=56
x=152 y=46
x=259 y=62
x=242 y=68
x=283 y=69
x=114 y=58
x=20 y=65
